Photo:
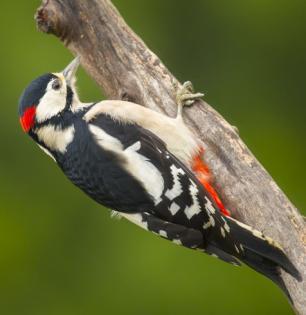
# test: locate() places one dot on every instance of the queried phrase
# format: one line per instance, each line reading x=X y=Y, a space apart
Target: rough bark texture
x=126 y=69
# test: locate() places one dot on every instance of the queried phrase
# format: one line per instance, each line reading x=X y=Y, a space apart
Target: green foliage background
x=60 y=253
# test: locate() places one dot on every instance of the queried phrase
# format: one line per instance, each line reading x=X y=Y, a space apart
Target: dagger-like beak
x=70 y=71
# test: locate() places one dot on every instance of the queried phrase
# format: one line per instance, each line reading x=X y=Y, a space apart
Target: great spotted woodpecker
x=145 y=166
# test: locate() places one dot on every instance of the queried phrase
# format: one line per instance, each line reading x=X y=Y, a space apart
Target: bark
x=126 y=69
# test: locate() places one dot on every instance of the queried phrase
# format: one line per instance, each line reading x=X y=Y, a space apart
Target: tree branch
x=126 y=69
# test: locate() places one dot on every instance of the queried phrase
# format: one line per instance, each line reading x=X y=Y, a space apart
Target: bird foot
x=186 y=96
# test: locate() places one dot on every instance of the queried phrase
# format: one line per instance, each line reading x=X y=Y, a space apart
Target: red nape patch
x=202 y=172
x=28 y=118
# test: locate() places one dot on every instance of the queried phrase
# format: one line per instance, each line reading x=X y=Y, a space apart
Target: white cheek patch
x=135 y=164
x=54 y=138
x=52 y=103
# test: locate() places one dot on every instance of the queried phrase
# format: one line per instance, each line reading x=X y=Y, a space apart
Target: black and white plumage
x=135 y=161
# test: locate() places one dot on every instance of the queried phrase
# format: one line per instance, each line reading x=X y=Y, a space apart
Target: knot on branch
x=52 y=17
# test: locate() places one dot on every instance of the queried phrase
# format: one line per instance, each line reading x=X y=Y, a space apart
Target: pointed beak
x=70 y=71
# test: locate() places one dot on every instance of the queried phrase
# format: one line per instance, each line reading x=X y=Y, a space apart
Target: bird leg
x=186 y=97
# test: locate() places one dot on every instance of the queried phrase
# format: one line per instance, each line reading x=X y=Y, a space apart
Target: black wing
x=183 y=199
x=185 y=212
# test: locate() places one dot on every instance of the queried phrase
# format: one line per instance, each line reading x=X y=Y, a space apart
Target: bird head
x=48 y=96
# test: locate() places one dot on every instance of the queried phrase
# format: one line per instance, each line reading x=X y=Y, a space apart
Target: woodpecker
x=146 y=166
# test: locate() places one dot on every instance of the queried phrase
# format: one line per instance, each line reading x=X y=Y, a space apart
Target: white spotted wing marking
x=177 y=241
x=135 y=163
x=176 y=190
x=209 y=206
x=163 y=233
x=210 y=211
x=174 y=208
x=226 y=227
x=195 y=208
x=223 y=232
x=211 y=222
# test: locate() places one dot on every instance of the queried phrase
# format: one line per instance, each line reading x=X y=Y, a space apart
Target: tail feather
x=213 y=250
x=259 y=252
x=263 y=246
x=268 y=268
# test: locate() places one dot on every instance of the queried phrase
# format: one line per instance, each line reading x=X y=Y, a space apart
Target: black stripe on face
x=69 y=97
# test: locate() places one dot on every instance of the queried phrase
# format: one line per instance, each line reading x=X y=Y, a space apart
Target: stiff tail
x=262 y=254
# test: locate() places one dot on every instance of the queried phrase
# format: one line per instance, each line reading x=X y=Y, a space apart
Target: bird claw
x=186 y=96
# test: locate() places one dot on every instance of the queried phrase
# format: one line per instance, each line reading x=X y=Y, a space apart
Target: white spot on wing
x=226 y=227
x=195 y=208
x=176 y=190
x=222 y=232
x=210 y=223
x=177 y=241
x=174 y=208
x=237 y=249
x=209 y=206
x=163 y=233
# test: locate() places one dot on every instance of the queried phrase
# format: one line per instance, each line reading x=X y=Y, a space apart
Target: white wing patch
x=138 y=165
x=176 y=190
x=135 y=163
x=195 y=208
x=55 y=138
x=105 y=140
x=210 y=211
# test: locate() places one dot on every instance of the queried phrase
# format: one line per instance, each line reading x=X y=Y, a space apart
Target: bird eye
x=56 y=85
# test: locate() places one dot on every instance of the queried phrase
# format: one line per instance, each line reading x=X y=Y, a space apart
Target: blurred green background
x=60 y=253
